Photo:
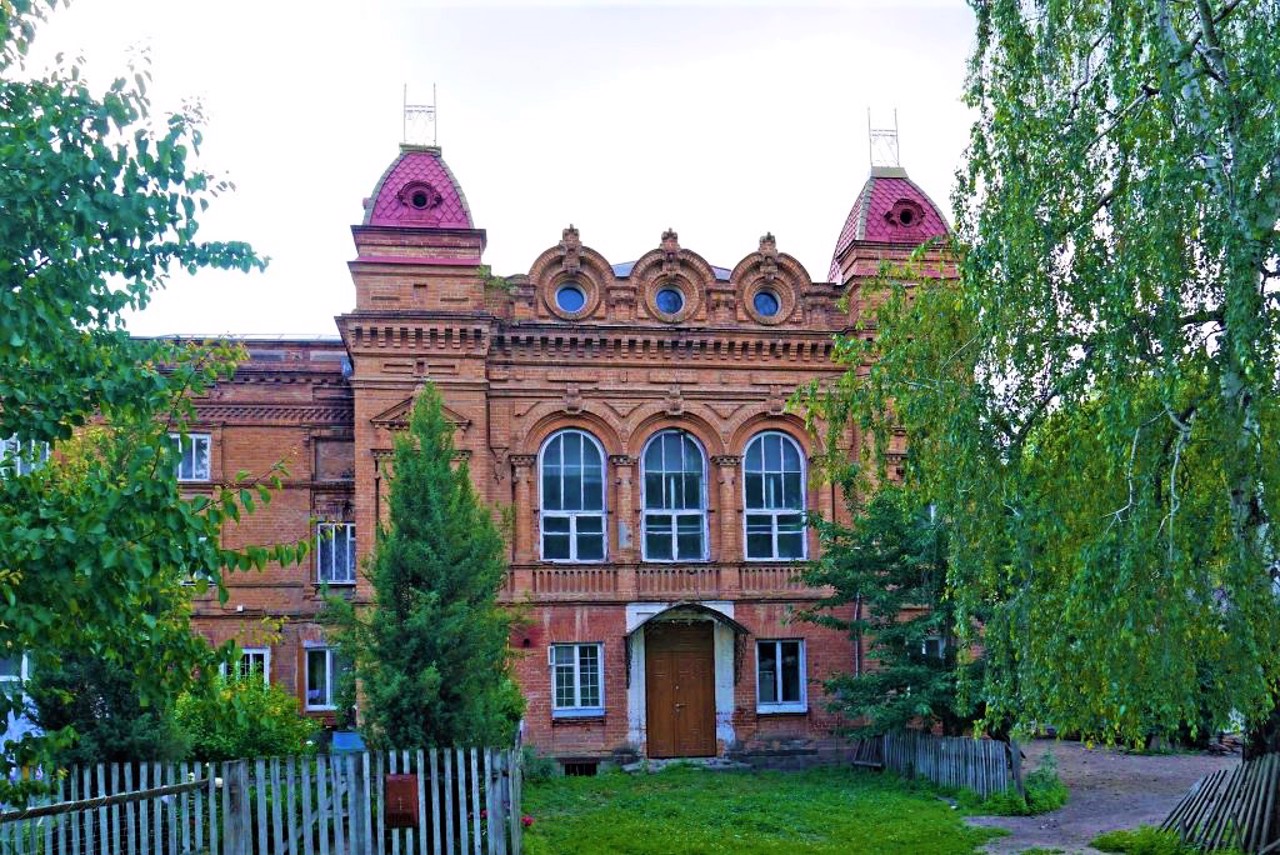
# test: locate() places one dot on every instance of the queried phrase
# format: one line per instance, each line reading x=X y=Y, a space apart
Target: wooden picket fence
x=467 y=803
x=985 y=766
x=1234 y=807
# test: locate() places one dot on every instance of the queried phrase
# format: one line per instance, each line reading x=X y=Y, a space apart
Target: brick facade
x=517 y=362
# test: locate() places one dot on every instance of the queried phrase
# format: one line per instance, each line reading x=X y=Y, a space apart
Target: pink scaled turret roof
x=418 y=190
x=890 y=209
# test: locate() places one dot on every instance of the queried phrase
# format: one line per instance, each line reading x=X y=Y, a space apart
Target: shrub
x=1045 y=792
x=100 y=702
x=244 y=718
x=537 y=769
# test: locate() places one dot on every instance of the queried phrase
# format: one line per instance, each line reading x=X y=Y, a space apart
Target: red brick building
x=633 y=418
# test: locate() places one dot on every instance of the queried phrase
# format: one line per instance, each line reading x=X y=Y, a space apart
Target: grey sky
x=722 y=122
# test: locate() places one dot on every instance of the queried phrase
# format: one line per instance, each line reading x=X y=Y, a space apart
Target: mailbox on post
x=401 y=800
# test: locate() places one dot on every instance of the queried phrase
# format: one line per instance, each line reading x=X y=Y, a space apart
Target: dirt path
x=1109 y=790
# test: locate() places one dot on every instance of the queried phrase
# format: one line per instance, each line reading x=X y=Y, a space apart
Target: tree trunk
x=1263 y=738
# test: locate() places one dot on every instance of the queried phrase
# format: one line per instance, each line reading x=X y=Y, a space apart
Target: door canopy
x=691 y=609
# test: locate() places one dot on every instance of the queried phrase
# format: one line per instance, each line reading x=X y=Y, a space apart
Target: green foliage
x=100 y=203
x=1145 y=840
x=536 y=769
x=1045 y=793
x=1096 y=404
x=495 y=284
x=431 y=654
x=1008 y=803
x=892 y=566
x=242 y=718
x=686 y=810
x=97 y=700
x=1045 y=790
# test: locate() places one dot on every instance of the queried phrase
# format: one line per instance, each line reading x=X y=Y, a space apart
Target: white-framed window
x=577 y=685
x=253 y=660
x=324 y=668
x=781 y=686
x=774 y=486
x=336 y=553
x=571 y=481
x=22 y=456
x=193 y=455
x=675 y=498
x=14 y=672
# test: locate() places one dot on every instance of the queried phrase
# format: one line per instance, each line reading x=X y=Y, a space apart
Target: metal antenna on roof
x=883 y=142
x=419 y=119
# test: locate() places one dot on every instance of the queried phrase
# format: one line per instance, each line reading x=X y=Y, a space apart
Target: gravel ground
x=1109 y=790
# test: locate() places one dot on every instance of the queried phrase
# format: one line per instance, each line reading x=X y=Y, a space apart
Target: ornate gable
x=397 y=417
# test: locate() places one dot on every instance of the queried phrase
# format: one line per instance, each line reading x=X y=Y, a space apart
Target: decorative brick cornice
x=215 y=412
x=647 y=346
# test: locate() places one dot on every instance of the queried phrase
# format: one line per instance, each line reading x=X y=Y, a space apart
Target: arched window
x=675 y=499
x=571 y=474
x=774 y=484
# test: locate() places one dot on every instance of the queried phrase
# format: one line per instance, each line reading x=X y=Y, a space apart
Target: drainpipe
x=857 y=640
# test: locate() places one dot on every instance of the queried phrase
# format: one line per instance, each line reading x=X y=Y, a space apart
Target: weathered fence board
x=468 y=803
x=1232 y=807
x=985 y=766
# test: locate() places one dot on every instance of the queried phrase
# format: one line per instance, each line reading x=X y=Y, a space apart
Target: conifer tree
x=892 y=565
x=430 y=655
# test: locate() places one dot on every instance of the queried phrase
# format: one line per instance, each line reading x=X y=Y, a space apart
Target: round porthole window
x=766 y=304
x=419 y=199
x=669 y=301
x=570 y=297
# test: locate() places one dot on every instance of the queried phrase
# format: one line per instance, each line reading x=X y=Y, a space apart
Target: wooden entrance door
x=680 y=685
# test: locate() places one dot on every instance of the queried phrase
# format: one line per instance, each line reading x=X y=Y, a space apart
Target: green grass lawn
x=685 y=811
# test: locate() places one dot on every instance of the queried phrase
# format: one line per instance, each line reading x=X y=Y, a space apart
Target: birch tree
x=1095 y=404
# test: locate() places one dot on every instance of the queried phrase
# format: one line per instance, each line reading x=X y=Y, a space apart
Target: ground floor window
x=324 y=667
x=253 y=660
x=577 y=689
x=780 y=676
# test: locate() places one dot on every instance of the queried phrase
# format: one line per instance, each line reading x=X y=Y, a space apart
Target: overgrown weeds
x=1145 y=840
x=1045 y=792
